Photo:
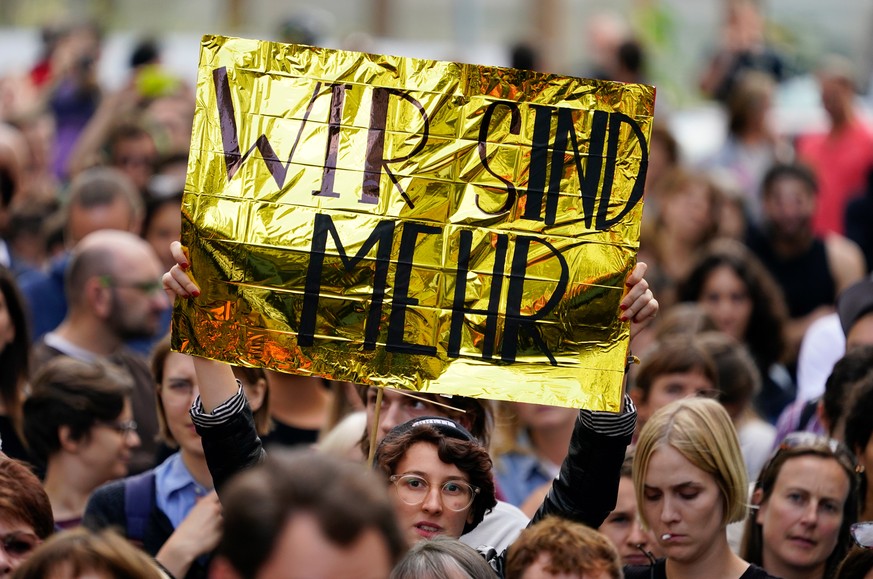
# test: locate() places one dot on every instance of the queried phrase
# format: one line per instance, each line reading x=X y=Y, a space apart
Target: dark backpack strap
x=139 y=500
x=809 y=410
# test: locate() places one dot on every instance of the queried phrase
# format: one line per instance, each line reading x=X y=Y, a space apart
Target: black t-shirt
x=288 y=436
x=659 y=571
x=805 y=279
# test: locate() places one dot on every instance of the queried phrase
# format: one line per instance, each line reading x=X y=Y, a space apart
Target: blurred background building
x=676 y=39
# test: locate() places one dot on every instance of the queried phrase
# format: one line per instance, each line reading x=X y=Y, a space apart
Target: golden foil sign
x=425 y=225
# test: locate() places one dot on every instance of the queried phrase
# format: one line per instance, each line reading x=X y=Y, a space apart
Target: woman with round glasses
x=690 y=483
x=441 y=477
x=78 y=424
x=805 y=502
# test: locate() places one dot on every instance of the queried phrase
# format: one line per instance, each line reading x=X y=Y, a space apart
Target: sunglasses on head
x=814 y=441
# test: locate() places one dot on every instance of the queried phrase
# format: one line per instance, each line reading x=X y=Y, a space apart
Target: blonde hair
x=78 y=551
x=700 y=430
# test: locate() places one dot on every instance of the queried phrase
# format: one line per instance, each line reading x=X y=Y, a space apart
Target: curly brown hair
x=469 y=456
x=571 y=547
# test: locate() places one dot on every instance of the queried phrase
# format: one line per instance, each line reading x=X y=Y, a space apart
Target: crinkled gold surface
x=434 y=226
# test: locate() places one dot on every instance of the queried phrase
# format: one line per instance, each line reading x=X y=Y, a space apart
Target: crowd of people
x=744 y=444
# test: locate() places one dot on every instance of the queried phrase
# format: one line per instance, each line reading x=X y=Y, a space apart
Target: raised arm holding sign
x=586 y=491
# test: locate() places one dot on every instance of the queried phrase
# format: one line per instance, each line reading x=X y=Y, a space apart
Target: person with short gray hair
x=442 y=557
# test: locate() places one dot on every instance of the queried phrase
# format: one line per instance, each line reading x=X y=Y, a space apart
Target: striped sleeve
x=222 y=413
x=611 y=423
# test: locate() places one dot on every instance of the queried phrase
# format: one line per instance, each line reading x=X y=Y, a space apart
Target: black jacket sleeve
x=586 y=489
x=231 y=447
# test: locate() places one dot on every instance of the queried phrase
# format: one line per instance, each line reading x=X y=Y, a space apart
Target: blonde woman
x=690 y=483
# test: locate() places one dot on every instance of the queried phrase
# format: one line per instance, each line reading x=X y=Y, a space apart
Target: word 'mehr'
x=514 y=322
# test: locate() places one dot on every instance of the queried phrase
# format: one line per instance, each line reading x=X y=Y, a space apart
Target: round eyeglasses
x=455 y=495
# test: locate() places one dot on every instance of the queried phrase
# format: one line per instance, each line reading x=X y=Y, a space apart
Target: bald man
x=113 y=287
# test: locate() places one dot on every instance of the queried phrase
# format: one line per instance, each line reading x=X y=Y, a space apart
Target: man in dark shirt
x=811 y=270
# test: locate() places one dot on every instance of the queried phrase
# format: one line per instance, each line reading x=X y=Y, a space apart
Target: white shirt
x=823 y=345
x=498 y=529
